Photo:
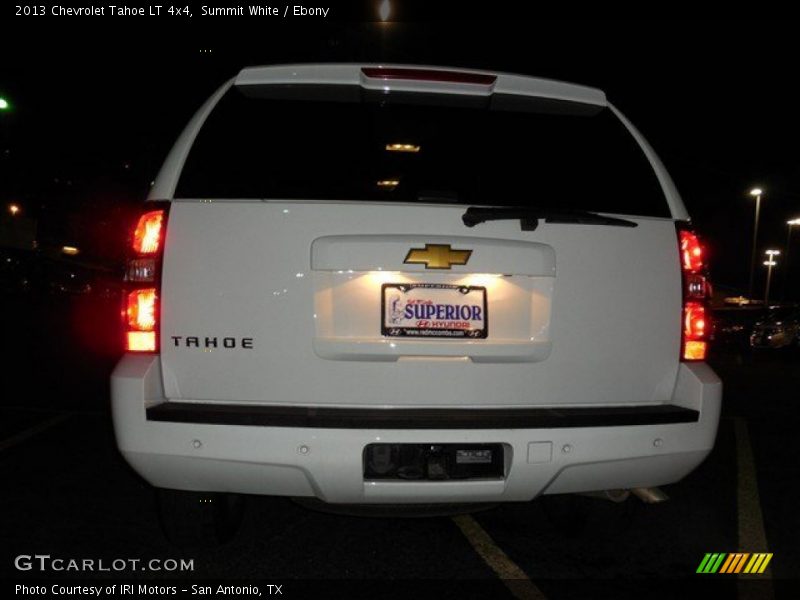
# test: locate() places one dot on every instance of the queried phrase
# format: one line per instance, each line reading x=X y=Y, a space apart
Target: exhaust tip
x=650 y=495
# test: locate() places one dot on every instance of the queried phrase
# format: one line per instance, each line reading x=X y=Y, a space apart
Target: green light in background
x=4 y=105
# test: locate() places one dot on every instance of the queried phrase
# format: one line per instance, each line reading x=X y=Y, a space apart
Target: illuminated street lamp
x=757 y=193
x=790 y=224
x=385 y=10
x=769 y=263
x=4 y=104
x=14 y=209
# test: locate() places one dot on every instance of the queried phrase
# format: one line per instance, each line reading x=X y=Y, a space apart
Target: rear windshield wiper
x=529 y=217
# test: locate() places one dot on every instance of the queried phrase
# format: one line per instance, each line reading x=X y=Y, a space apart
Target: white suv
x=396 y=285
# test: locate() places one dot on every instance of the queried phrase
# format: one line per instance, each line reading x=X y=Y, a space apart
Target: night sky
x=95 y=109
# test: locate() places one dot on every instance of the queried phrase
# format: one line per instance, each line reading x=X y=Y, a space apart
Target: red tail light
x=696 y=323
x=140 y=310
x=147 y=235
x=691 y=251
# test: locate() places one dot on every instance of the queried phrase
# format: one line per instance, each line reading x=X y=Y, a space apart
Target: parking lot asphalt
x=69 y=494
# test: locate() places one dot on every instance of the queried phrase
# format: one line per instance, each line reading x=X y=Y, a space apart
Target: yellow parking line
x=30 y=432
x=752 y=534
x=514 y=578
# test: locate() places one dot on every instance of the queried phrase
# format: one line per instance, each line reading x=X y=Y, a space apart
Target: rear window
x=345 y=143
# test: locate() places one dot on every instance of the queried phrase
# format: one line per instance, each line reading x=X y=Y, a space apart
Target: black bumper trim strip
x=420 y=418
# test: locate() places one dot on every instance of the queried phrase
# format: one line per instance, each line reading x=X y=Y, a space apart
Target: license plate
x=473 y=457
x=433 y=311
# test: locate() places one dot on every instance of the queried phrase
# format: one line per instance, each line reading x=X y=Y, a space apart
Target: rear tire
x=199 y=519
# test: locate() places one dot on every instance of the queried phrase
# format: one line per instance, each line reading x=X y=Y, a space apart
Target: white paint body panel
x=385 y=252
x=579 y=315
x=244 y=270
x=268 y=460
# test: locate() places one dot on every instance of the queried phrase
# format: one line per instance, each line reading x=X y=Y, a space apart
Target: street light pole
x=757 y=193
x=769 y=263
x=790 y=224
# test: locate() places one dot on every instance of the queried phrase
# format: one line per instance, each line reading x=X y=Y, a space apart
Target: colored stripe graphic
x=703 y=563
x=740 y=563
x=728 y=562
x=734 y=563
x=758 y=563
x=711 y=562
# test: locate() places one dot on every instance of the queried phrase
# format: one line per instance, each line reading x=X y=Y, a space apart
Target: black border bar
x=419 y=418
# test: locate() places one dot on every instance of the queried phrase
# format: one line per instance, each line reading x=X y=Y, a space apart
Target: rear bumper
x=190 y=447
x=366 y=418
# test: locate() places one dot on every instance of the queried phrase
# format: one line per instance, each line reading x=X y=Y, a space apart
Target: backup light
x=141 y=269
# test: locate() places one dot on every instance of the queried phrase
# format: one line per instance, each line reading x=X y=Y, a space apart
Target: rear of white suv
x=387 y=284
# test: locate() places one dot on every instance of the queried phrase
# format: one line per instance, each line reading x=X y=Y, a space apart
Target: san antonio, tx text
x=142 y=589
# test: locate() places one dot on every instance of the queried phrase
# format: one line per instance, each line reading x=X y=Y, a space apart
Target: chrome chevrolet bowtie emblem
x=437 y=256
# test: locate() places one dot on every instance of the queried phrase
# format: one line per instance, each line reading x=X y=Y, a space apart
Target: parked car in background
x=779 y=329
x=731 y=327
